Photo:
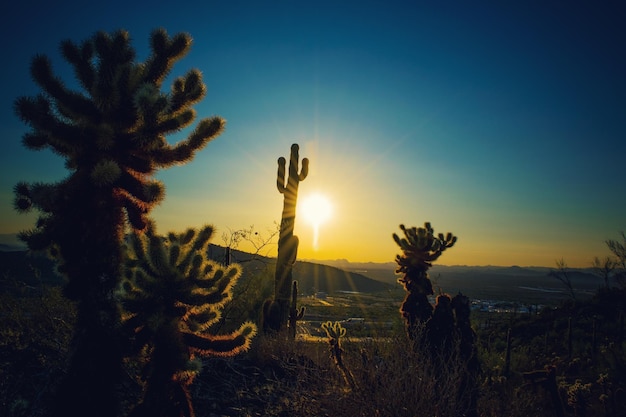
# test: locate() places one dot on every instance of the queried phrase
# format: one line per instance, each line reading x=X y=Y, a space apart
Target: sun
x=316 y=209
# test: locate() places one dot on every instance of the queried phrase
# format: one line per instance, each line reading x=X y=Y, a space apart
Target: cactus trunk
x=287 y=241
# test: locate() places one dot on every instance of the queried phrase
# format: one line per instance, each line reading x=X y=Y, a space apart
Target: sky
x=503 y=122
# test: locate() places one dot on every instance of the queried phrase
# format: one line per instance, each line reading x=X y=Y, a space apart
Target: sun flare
x=316 y=209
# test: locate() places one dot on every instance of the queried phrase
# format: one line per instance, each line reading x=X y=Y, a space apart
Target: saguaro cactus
x=173 y=294
x=287 y=242
x=112 y=135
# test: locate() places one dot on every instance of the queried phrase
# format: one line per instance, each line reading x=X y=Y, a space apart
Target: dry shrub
x=392 y=379
x=35 y=329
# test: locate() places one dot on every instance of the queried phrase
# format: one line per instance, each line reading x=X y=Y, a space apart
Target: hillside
x=20 y=266
x=519 y=284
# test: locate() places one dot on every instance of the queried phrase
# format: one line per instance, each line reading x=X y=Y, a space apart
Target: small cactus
x=335 y=331
x=294 y=313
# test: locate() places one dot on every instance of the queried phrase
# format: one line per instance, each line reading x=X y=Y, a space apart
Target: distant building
x=321 y=295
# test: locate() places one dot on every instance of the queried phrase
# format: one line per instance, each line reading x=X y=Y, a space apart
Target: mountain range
x=532 y=284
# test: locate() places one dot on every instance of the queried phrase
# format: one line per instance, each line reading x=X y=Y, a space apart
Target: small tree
x=173 y=294
x=604 y=268
x=619 y=251
x=112 y=135
x=562 y=274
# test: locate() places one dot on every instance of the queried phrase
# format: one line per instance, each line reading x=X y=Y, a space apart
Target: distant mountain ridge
x=486 y=282
x=511 y=283
x=35 y=268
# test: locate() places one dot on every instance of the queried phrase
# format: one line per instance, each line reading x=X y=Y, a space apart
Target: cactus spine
x=172 y=295
x=287 y=242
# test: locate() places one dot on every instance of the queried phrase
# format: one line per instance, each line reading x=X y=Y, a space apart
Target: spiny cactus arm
x=207 y=130
x=221 y=345
x=192 y=259
x=186 y=91
x=174 y=252
x=165 y=51
x=37 y=195
x=81 y=59
x=110 y=90
x=61 y=137
x=200 y=320
x=35 y=239
x=187 y=236
x=176 y=123
x=158 y=258
x=218 y=296
x=136 y=249
x=216 y=273
x=146 y=193
x=69 y=103
x=195 y=267
x=202 y=238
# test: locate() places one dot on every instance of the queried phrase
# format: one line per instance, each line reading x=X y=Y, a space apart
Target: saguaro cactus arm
x=287 y=242
x=294 y=177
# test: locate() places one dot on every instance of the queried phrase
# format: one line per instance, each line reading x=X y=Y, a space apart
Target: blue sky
x=502 y=122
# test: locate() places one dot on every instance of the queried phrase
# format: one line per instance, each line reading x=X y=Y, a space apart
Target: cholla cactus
x=111 y=133
x=420 y=248
x=335 y=331
x=173 y=294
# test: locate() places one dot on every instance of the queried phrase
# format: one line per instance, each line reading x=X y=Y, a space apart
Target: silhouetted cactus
x=112 y=135
x=173 y=294
x=276 y=312
x=294 y=313
x=440 y=328
x=335 y=331
x=444 y=331
x=468 y=355
x=420 y=248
